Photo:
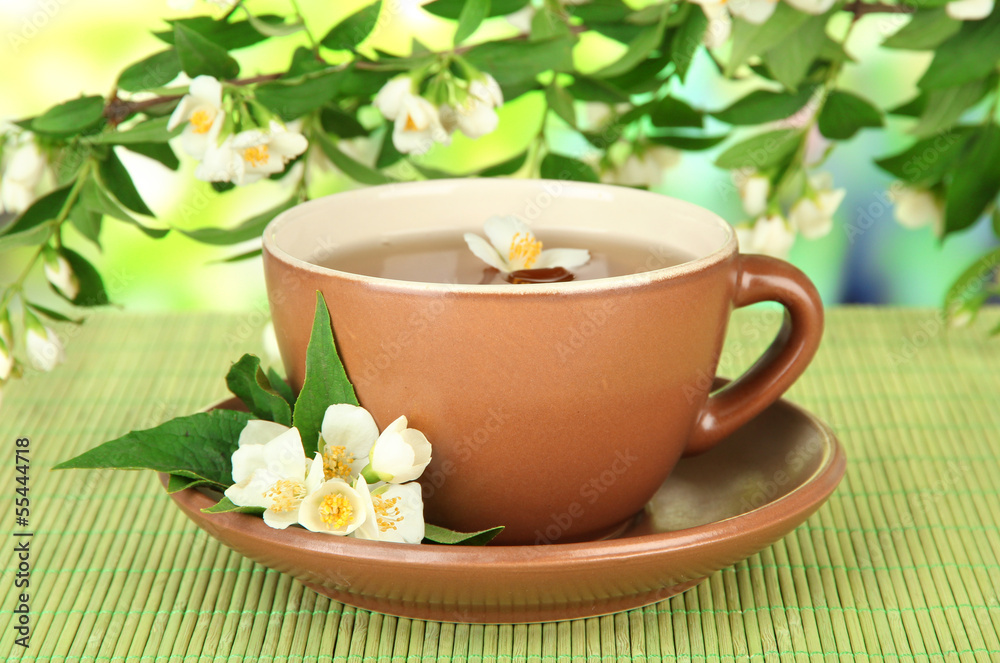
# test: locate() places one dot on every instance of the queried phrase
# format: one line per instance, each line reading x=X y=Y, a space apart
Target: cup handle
x=760 y=278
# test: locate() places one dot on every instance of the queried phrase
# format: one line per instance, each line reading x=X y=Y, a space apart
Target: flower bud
x=45 y=350
x=60 y=274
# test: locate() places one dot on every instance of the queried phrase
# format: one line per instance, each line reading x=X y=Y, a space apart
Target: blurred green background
x=57 y=49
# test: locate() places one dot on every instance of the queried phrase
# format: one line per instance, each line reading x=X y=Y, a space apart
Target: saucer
x=713 y=511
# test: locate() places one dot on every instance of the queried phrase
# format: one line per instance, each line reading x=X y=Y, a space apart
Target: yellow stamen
x=525 y=248
x=337 y=463
x=286 y=494
x=336 y=511
x=256 y=155
x=201 y=120
x=410 y=124
x=386 y=512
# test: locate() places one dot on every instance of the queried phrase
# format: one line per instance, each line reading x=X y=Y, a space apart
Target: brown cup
x=556 y=410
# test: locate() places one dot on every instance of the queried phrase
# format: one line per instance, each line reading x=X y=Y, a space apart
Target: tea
x=444 y=257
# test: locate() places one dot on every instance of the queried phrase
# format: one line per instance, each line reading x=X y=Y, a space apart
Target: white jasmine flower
x=389 y=100
x=45 y=350
x=60 y=275
x=273 y=473
x=400 y=454
x=754 y=191
x=644 y=169
x=915 y=208
x=812 y=6
x=720 y=23
x=512 y=247
x=752 y=11
x=333 y=508
x=969 y=10
x=6 y=361
x=813 y=214
x=769 y=235
x=476 y=115
x=249 y=156
x=21 y=177
x=521 y=19
x=202 y=109
x=418 y=126
x=394 y=512
x=347 y=435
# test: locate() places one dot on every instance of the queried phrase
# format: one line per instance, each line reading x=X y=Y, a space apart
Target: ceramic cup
x=556 y=410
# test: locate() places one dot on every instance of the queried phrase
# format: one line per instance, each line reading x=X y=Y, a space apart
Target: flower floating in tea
x=515 y=251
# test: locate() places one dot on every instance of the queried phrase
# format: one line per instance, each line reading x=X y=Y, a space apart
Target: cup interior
x=309 y=233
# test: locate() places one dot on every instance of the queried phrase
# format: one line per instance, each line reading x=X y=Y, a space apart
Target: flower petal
x=258 y=431
x=392 y=457
x=347 y=505
x=351 y=427
x=410 y=527
x=485 y=252
x=969 y=10
x=568 y=258
x=500 y=230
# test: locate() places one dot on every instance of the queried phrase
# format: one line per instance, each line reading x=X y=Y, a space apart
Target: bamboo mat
x=902 y=564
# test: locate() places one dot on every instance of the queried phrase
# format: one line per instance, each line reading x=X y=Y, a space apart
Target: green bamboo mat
x=902 y=564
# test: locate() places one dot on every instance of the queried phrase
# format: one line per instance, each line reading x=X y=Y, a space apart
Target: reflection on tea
x=445 y=258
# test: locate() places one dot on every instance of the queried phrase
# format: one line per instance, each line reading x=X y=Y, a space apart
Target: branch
x=859 y=8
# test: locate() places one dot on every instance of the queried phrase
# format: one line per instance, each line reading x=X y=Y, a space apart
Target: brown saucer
x=715 y=510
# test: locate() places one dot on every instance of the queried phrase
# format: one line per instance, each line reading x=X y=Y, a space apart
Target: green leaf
x=293 y=100
x=560 y=167
x=44 y=209
x=584 y=88
x=246 y=255
x=508 y=167
x=387 y=153
x=473 y=13
x=32 y=236
x=642 y=79
x=356 y=170
x=926 y=29
x=226 y=505
x=968 y=55
x=275 y=28
x=252 y=228
x=340 y=123
x=92 y=292
x=927 y=161
x=789 y=60
x=116 y=179
x=512 y=63
x=199 y=56
x=560 y=101
x=155 y=71
x=97 y=200
x=944 y=107
x=176 y=484
x=149 y=131
x=346 y=35
x=761 y=151
x=687 y=39
x=749 y=39
x=689 y=143
x=915 y=107
x=72 y=117
x=547 y=23
x=762 y=106
x=594 y=13
x=638 y=50
x=326 y=382
x=54 y=315
x=674 y=112
x=87 y=221
x=250 y=384
x=447 y=537
x=230 y=35
x=975 y=182
x=844 y=114
x=995 y=221
x=453 y=8
x=199 y=446
x=161 y=152
x=279 y=385
x=969 y=286
x=304 y=62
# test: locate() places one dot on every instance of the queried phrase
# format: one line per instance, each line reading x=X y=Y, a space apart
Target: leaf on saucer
x=226 y=505
x=199 y=446
x=445 y=536
x=177 y=483
x=325 y=383
x=248 y=382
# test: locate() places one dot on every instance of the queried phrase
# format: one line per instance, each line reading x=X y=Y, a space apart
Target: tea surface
x=445 y=258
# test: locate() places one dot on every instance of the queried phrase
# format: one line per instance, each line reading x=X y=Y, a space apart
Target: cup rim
x=725 y=250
